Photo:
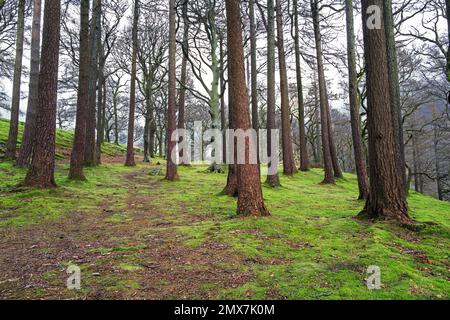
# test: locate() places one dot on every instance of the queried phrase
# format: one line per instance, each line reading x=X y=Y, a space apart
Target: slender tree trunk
x=77 y=156
x=327 y=161
x=26 y=147
x=41 y=171
x=11 y=144
x=394 y=89
x=130 y=162
x=355 y=120
x=447 y=4
x=116 y=119
x=417 y=176
x=272 y=180
x=253 y=66
x=183 y=79
x=286 y=131
x=250 y=199
x=91 y=123
x=223 y=120
x=171 y=171
x=436 y=162
x=100 y=115
x=304 y=157
x=333 y=152
x=146 y=139
x=231 y=188
x=387 y=199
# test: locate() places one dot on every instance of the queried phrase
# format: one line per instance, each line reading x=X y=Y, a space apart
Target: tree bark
x=171 y=171
x=183 y=79
x=333 y=152
x=289 y=167
x=394 y=89
x=387 y=199
x=448 y=47
x=41 y=171
x=250 y=200
x=327 y=161
x=436 y=162
x=360 y=163
x=11 y=145
x=231 y=188
x=272 y=180
x=28 y=137
x=304 y=157
x=77 y=156
x=130 y=161
x=101 y=80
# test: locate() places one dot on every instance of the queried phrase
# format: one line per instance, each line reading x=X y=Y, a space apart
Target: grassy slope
x=310 y=248
x=64 y=141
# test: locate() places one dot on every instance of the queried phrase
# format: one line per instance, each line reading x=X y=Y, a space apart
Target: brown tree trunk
x=26 y=147
x=360 y=163
x=41 y=171
x=272 y=180
x=231 y=188
x=223 y=120
x=333 y=152
x=100 y=96
x=130 y=162
x=387 y=199
x=327 y=161
x=11 y=144
x=304 y=157
x=286 y=131
x=91 y=123
x=77 y=157
x=171 y=171
x=253 y=67
x=250 y=200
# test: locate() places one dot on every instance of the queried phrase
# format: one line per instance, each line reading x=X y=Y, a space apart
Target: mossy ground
x=137 y=236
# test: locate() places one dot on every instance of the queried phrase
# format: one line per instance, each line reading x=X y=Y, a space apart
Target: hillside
x=64 y=142
x=136 y=236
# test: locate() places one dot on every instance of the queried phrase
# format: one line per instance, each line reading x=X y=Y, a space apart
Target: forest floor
x=136 y=236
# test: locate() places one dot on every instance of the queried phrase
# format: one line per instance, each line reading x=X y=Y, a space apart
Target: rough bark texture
x=11 y=144
x=387 y=199
x=28 y=137
x=89 y=152
x=286 y=130
x=333 y=152
x=77 y=156
x=304 y=157
x=250 y=200
x=130 y=162
x=253 y=66
x=394 y=89
x=41 y=171
x=272 y=180
x=360 y=163
x=171 y=171
x=327 y=161
x=231 y=188
x=101 y=80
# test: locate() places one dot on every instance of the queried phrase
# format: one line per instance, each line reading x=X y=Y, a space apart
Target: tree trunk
x=77 y=156
x=286 y=132
x=101 y=80
x=333 y=152
x=253 y=67
x=223 y=120
x=250 y=200
x=304 y=157
x=327 y=161
x=41 y=171
x=130 y=162
x=436 y=162
x=26 y=148
x=11 y=144
x=387 y=199
x=360 y=163
x=183 y=79
x=231 y=188
x=272 y=180
x=417 y=176
x=171 y=171
x=116 y=119
x=448 y=47
x=394 y=89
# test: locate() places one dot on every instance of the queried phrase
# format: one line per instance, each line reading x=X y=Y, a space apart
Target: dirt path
x=128 y=250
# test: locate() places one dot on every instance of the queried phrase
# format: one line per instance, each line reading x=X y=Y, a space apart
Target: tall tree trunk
x=253 y=66
x=448 y=47
x=327 y=161
x=250 y=200
x=355 y=120
x=11 y=144
x=183 y=79
x=91 y=123
x=304 y=157
x=387 y=198
x=130 y=162
x=41 y=171
x=394 y=89
x=436 y=162
x=77 y=156
x=223 y=120
x=101 y=80
x=416 y=165
x=146 y=139
x=286 y=131
x=272 y=180
x=171 y=171
x=231 y=188
x=116 y=119
x=28 y=137
x=333 y=152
